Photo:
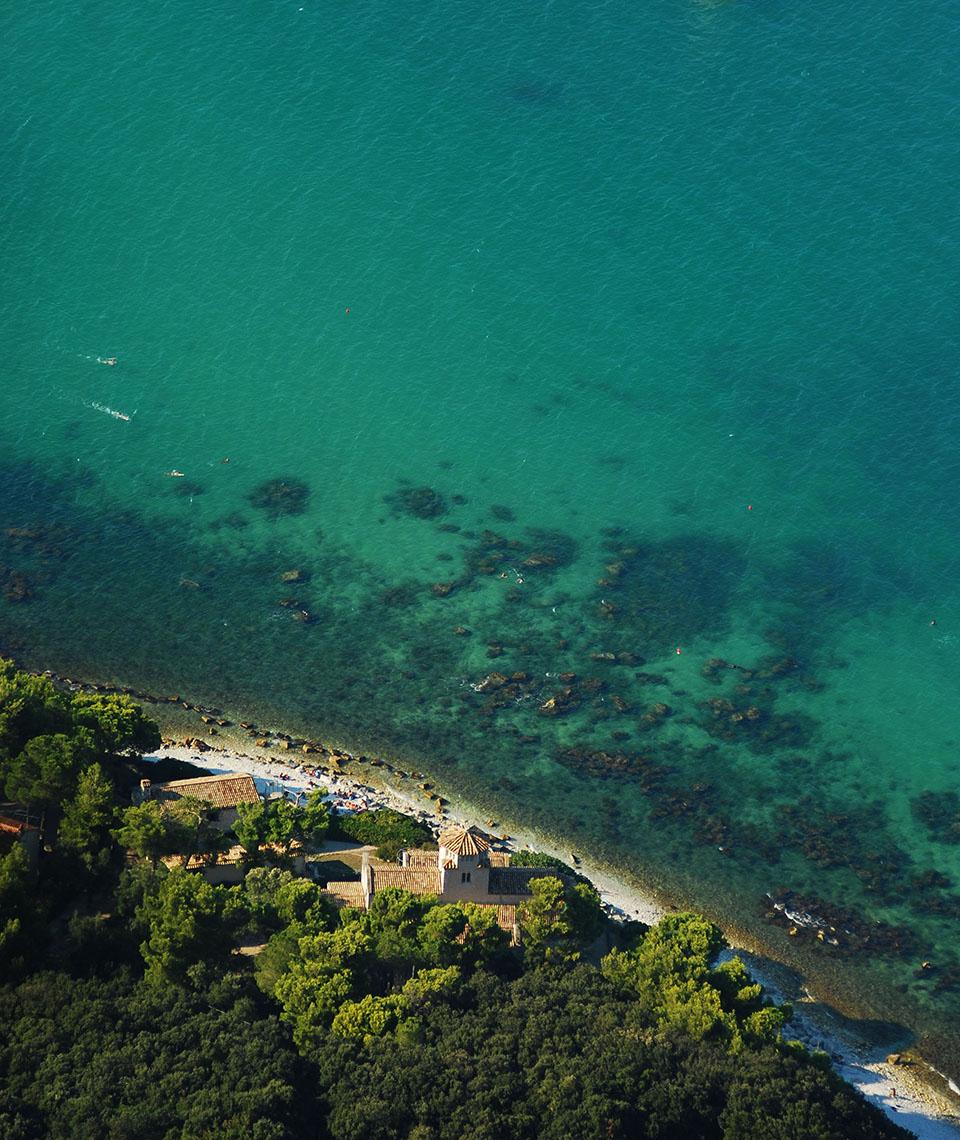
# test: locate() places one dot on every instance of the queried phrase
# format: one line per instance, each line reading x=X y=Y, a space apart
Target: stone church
x=465 y=869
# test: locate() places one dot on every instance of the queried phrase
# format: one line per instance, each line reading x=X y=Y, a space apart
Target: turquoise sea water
x=658 y=301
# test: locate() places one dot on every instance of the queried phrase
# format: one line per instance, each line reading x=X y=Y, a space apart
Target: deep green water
x=665 y=293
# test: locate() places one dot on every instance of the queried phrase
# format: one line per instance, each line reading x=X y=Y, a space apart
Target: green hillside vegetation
x=128 y=1011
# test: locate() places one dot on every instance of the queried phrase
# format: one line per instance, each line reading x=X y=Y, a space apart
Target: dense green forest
x=128 y=1012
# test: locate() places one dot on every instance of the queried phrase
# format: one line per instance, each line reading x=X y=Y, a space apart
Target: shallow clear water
x=669 y=291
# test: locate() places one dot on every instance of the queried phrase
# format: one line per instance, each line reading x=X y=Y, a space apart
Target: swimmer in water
x=111 y=360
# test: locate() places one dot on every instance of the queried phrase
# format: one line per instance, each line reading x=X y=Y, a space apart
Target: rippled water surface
x=608 y=350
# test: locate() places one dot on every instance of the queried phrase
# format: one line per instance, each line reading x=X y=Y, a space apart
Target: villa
x=222 y=793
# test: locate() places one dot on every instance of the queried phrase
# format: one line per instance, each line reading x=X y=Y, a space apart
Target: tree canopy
x=559 y=918
x=120 y=1058
x=187 y=921
x=277 y=824
x=47 y=737
x=673 y=979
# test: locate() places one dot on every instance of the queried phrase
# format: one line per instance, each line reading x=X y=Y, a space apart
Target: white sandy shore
x=903 y=1095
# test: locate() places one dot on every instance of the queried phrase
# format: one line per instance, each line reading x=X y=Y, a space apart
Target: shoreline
x=911 y=1093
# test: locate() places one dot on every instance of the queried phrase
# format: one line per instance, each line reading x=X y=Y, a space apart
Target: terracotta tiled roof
x=345 y=894
x=416 y=880
x=463 y=841
x=18 y=826
x=515 y=880
x=506 y=916
x=417 y=857
x=18 y=815
x=195 y=862
x=218 y=791
x=499 y=858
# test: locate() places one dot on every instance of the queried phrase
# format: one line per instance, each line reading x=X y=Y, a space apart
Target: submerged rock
x=939 y=812
x=491 y=681
x=565 y=701
x=401 y=595
x=187 y=489
x=280 y=497
x=651 y=679
x=662 y=593
x=656 y=713
x=840 y=928
x=418 y=502
x=539 y=562
x=18 y=588
x=235 y=521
